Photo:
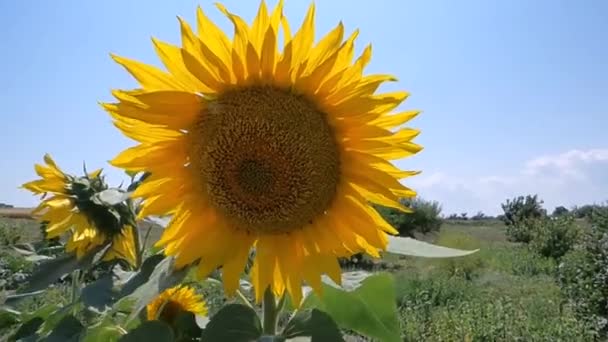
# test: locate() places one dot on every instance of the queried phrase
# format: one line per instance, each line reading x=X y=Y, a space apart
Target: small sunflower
x=69 y=209
x=167 y=305
x=250 y=145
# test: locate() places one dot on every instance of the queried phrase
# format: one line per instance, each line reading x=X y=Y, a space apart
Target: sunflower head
x=170 y=303
x=252 y=140
x=74 y=207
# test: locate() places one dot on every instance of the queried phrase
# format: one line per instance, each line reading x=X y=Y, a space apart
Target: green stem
x=75 y=290
x=271 y=314
x=139 y=249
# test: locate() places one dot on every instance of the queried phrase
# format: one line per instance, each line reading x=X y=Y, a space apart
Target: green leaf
x=50 y=271
x=55 y=317
x=413 y=247
x=28 y=328
x=314 y=323
x=156 y=331
x=68 y=329
x=98 y=294
x=110 y=197
x=369 y=309
x=133 y=280
x=104 y=333
x=185 y=325
x=8 y=317
x=163 y=277
x=235 y=323
x=24 y=249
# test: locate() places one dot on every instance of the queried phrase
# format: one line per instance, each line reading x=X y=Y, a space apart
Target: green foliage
x=425 y=217
x=369 y=309
x=438 y=308
x=467 y=266
x=520 y=209
x=553 y=237
x=560 y=211
x=583 y=276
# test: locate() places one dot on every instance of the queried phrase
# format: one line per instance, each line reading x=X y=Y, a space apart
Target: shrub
x=425 y=217
x=521 y=209
x=559 y=211
x=520 y=232
x=553 y=237
x=583 y=276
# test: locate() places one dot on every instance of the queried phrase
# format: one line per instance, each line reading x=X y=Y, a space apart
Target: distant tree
x=4 y=205
x=560 y=211
x=424 y=218
x=479 y=216
x=520 y=209
x=463 y=216
x=453 y=216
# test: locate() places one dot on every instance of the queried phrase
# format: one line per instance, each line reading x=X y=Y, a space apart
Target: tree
x=560 y=211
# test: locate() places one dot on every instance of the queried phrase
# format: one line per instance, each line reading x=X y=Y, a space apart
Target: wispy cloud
x=569 y=178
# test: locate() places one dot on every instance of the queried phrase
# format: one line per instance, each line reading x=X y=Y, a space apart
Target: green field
x=503 y=293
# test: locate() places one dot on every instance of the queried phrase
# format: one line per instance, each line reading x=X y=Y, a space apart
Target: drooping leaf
x=413 y=247
x=156 y=331
x=318 y=325
x=11 y=299
x=369 y=309
x=24 y=249
x=133 y=280
x=110 y=197
x=48 y=272
x=163 y=277
x=68 y=329
x=37 y=257
x=235 y=323
x=28 y=328
x=98 y=294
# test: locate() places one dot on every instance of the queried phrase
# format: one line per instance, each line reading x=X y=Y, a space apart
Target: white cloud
x=570 y=178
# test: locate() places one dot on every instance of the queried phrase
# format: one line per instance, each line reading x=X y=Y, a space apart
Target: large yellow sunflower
x=167 y=305
x=64 y=211
x=252 y=145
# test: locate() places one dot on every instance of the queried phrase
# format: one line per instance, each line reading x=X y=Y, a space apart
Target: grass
x=502 y=293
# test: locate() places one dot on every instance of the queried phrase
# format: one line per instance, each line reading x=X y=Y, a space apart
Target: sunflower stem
x=139 y=249
x=271 y=314
x=75 y=288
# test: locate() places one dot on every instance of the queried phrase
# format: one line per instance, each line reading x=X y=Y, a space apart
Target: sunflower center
x=170 y=311
x=267 y=159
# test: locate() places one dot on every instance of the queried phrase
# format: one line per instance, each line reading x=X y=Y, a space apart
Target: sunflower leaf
x=368 y=309
x=110 y=197
x=413 y=247
x=156 y=331
x=316 y=324
x=28 y=328
x=47 y=272
x=234 y=322
x=68 y=329
x=99 y=294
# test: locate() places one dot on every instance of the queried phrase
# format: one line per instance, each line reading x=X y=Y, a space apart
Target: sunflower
x=167 y=305
x=250 y=145
x=70 y=210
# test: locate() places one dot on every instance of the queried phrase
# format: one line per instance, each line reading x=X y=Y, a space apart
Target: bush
x=521 y=209
x=520 y=232
x=583 y=276
x=553 y=237
x=425 y=217
x=560 y=211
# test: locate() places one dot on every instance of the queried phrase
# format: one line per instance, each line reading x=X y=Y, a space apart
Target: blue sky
x=513 y=93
